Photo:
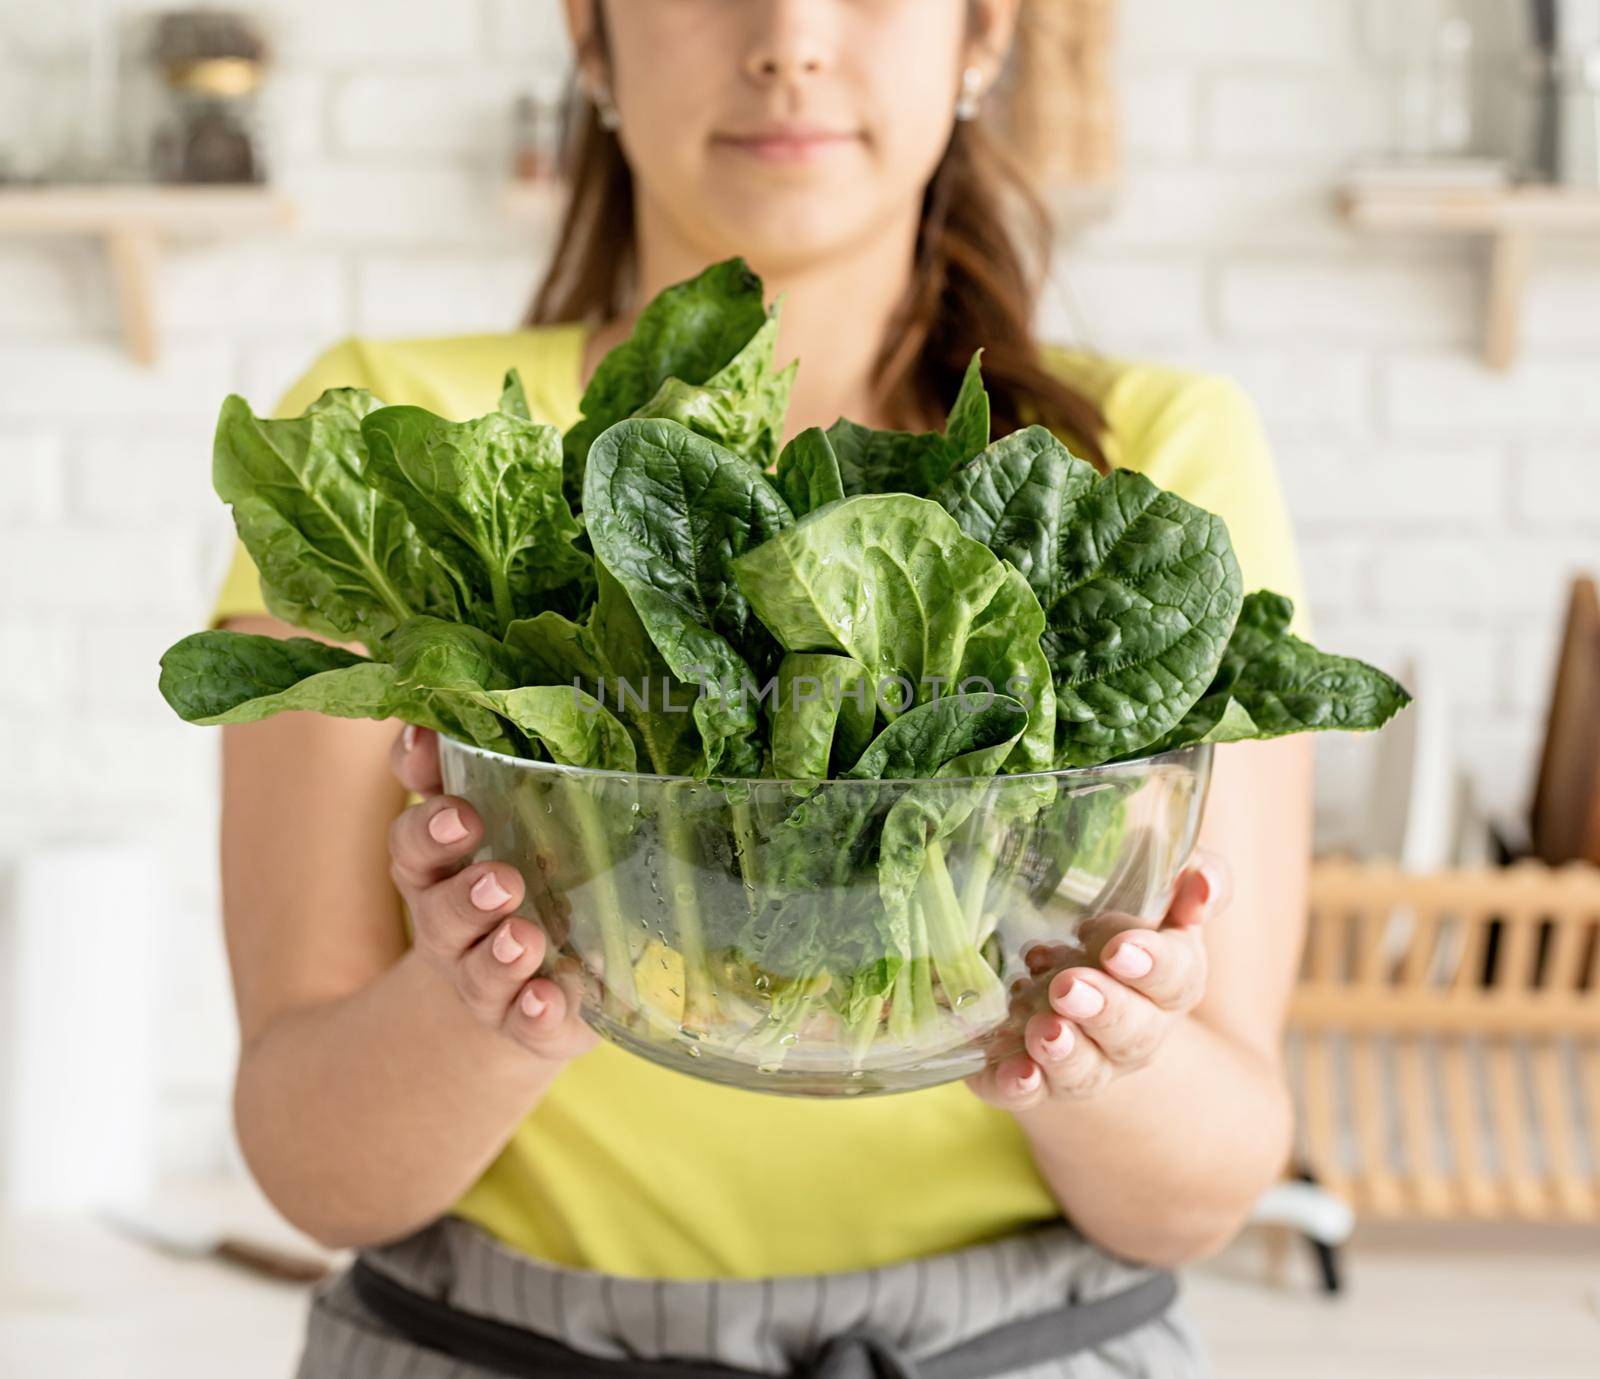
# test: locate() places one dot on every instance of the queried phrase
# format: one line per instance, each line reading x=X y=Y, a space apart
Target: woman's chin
x=783 y=234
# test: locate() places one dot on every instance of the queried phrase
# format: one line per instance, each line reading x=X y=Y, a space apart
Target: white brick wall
x=1439 y=507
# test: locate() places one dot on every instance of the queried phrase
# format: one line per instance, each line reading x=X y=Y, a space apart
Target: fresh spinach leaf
x=657 y=706
x=741 y=408
x=514 y=397
x=551 y=649
x=486 y=493
x=430 y=672
x=335 y=555
x=1271 y=683
x=237 y=677
x=668 y=512
x=573 y=727
x=1140 y=589
x=823 y=714
x=808 y=472
x=913 y=462
x=890 y=580
x=692 y=332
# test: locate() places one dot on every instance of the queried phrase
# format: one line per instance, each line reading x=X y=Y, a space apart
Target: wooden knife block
x=1565 y=824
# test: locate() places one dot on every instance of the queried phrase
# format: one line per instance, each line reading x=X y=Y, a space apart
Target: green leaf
x=237 y=677
x=947 y=737
x=668 y=512
x=692 y=331
x=234 y=677
x=1140 y=589
x=514 y=397
x=752 y=375
x=571 y=725
x=808 y=472
x=551 y=649
x=829 y=835
x=887 y=461
x=717 y=414
x=741 y=408
x=967 y=430
x=446 y=665
x=892 y=581
x=486 y=494
x=1271 y=683
x=657 y=706
x=823 y=713
x=335 y=556
x=913 y=462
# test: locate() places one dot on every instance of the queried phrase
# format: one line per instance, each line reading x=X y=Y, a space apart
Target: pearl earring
x=970 y=101
x=605 y=108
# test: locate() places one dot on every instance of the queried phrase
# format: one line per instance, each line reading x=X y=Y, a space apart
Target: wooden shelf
x=1510 y=219
x=134 y=221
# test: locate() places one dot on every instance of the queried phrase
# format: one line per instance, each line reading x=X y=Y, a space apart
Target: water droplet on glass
x=965 y=999
x=789 y=1038
x=762 y=981
x=768 y=1068
x=693 y=1049
x=634 y=807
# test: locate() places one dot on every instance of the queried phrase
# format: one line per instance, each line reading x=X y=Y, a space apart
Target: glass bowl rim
x=1193 y=751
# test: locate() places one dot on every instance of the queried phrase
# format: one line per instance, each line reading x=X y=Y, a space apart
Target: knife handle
x=269 y=1260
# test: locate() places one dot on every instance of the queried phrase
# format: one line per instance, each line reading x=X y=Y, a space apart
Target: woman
x=434 y=1103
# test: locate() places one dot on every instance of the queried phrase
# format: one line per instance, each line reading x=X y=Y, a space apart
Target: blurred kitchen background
x=1310 y=196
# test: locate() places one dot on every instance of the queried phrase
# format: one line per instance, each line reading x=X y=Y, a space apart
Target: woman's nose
x=790 y=42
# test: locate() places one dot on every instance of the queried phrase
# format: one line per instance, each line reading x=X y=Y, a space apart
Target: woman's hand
x=462 y=913
x=1098 y=1022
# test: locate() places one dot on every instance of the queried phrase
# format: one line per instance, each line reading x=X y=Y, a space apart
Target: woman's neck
x=836 y=312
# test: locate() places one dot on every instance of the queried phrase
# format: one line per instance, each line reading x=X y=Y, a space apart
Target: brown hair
x=982 y=250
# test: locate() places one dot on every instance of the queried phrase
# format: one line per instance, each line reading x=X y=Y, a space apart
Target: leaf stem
x=678 y=844
x=616 y=940
x=969 y=982
x=500 y=587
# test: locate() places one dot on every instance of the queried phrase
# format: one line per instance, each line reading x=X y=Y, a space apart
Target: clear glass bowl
x=829 y=939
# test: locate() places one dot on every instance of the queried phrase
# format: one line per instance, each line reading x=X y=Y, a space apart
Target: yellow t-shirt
x=631 y=1169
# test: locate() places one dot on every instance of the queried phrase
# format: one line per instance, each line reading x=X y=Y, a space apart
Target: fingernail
x=487 y=893
x=1131 y=961
x=1204 y=886
x=531 y=1005
x=408 y=736
x=506 y=948
x=446 y=826
x=1029 y=1080
x=1082 y=1001
x=1060 y=1044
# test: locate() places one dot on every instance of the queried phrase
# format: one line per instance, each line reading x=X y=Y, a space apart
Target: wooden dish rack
x=1444 y=1042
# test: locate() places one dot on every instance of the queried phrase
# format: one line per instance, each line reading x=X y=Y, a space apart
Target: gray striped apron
x=889 y=1319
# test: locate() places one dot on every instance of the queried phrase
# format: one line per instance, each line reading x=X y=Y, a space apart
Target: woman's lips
x=788 y=144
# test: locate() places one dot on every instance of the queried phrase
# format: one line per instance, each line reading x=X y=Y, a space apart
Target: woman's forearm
x=367 y=1116
x=1163 y=1165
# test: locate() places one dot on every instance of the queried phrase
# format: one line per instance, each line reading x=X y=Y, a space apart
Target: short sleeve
x=343 y=366
x=1201 y=437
